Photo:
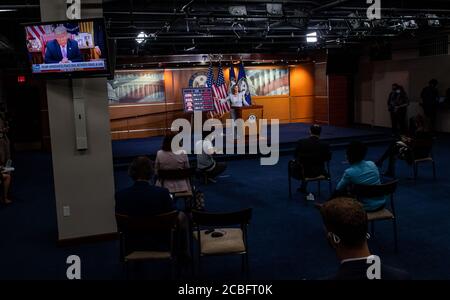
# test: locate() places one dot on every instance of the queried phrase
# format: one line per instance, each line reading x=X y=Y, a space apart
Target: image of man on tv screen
x=62 y=49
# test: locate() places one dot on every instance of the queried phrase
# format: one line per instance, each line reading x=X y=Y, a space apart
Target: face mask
x=398 y=91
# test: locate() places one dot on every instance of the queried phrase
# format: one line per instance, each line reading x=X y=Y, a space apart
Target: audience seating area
x=283 y=239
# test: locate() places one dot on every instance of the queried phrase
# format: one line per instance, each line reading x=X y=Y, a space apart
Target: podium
x=252 y=114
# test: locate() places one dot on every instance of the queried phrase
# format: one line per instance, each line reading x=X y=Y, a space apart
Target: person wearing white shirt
x=205 y=160
x=236 y=99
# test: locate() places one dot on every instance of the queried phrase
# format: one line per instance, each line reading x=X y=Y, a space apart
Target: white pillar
x=83 y=180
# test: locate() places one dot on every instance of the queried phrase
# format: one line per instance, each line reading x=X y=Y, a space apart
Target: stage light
x=410 y=24
x=141 y=37
x=433 y=21
x=311 y=37
x=354 y=21
x=238 y=10
x=274 y=8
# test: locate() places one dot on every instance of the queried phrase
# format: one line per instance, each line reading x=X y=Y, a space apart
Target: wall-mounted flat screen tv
x=70 y=48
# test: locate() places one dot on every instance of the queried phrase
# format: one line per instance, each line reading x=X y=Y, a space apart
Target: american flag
x=220 y=92
x=36 y=31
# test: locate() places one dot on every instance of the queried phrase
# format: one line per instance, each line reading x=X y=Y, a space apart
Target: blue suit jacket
x=53 y=52
x=143 y=199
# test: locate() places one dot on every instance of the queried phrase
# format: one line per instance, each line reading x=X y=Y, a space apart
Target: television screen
x=72 y=48
x=198 y=99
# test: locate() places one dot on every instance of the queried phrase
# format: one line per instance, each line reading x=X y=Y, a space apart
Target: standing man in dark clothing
x=430 y=95
x=310 y=157
x=398 y=105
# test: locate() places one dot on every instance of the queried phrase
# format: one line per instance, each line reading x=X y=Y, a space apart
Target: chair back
x=422 y=148
x=311 y=165
x=373 y=191
x=178 y=174
x=141 y=227
x=144 y=225
x=222 y=219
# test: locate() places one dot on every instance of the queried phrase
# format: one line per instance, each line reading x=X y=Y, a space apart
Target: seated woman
x=168 y=160
x=360 y=172
x=407 y=147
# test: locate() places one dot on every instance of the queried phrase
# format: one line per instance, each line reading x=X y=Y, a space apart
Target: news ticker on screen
x=70 y=67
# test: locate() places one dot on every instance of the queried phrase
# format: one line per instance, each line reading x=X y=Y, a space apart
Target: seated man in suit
x=346 y=227
x=310 y=157
x=143 y=199
x=62 y=49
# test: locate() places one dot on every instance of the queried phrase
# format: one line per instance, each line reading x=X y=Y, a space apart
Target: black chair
x=131 y=228
x=180 y=174
x=374 y=191
x=301 y=176
x=233 y=240
x=422 y=153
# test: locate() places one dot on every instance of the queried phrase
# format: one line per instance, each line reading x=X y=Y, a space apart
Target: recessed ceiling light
x=141 y=37
x=311 y=37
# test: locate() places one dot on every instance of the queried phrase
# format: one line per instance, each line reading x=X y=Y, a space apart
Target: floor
x=286 y=238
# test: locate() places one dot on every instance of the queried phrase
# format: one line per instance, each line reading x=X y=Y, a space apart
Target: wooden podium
x=251 y=114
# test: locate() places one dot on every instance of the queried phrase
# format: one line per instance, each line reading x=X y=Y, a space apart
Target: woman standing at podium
x=237 y=100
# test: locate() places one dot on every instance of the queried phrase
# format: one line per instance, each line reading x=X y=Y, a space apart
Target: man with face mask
x=346 y=227
x=397 y=106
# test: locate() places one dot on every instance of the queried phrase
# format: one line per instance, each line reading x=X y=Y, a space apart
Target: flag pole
x=210 y=113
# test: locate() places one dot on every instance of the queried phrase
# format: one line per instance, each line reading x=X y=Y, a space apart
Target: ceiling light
x=141 y=37
x=311 y=37
x=274 y=8
x=410 y=24
x=433 y=20
x=7 y=10
x=354 y=21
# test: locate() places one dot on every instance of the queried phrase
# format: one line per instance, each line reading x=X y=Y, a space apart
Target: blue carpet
x=286 y=238
x=289 y=133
